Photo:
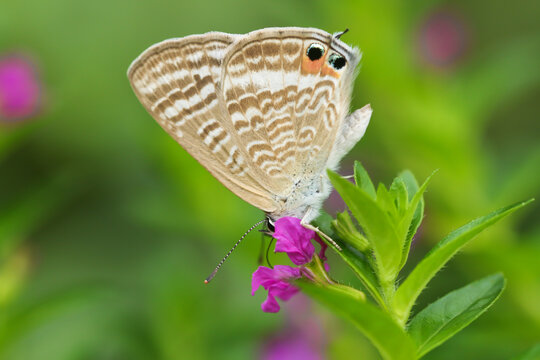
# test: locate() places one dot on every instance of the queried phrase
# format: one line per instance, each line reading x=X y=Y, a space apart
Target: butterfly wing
x=177 y=81
x=260 y=113
x=288 y=107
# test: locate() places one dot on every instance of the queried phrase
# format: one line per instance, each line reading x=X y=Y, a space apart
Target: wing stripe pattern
x=284 y=146
x=253 y=109
x=178 y=83
x=295 y=105
x=245 y=110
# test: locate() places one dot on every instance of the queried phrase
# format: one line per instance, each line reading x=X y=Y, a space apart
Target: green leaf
x=445 y=317
x=363 y=180
x=362 y=269
x=408 y=292
x=357 y=261
x=376 y=224
x=324 y=223
x=398 y=192
x=413 y=216
x=410 y=183
x=391 y=341
x=346 y=230
x=386 y=202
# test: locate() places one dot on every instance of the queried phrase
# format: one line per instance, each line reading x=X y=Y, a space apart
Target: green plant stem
x=388 y=290
x=380 y=300
x=317 y=268
x=321 y=276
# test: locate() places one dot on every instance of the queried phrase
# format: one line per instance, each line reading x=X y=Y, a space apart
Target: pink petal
x=260 y=277
x=270 y=305
x=292 y=238
x=286 y=272
x=275 y=282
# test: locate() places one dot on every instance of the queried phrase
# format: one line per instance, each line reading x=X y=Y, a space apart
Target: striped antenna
x=208 y=279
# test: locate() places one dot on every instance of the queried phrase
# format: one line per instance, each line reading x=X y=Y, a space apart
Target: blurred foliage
x=107 y=227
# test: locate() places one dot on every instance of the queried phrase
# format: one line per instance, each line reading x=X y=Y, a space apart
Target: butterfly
x=266 y=113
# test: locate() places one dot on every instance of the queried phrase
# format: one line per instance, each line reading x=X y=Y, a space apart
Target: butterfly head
x=270 y=224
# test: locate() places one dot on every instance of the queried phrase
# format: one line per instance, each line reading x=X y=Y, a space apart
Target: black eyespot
x=337 y=61
x=315 y=51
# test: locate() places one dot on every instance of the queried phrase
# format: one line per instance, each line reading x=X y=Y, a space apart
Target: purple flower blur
x=301 y=337
x=291 y=347
x=19 y=88
x=275 y=281
x=442 y=38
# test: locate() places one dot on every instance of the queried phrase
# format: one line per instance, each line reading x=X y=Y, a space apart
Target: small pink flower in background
x=301 y=338
x=290 y=347
x=276 y=282
x=442 y=38
x=20 y=92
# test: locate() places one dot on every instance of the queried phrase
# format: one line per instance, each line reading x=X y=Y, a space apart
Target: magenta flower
x=19 y=88
x=295 y=240
x=292 y=238
x=275 y=281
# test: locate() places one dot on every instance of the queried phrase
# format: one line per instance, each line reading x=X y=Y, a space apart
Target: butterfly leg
x=352 y=130
x=308 y=226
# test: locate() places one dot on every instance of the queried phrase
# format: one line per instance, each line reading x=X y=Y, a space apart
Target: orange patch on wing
x=311 y=67
x=328 y=70
x=318 y=66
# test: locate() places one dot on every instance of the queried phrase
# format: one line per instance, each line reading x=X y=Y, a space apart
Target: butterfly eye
x=337 y=61
x=315 y=51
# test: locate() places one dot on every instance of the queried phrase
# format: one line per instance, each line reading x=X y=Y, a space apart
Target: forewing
x=178 y=83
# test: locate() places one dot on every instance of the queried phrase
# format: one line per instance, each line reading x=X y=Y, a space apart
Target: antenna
x=208 y=279
x=340 y=34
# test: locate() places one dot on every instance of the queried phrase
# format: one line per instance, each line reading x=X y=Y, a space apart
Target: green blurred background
x=108 y=227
